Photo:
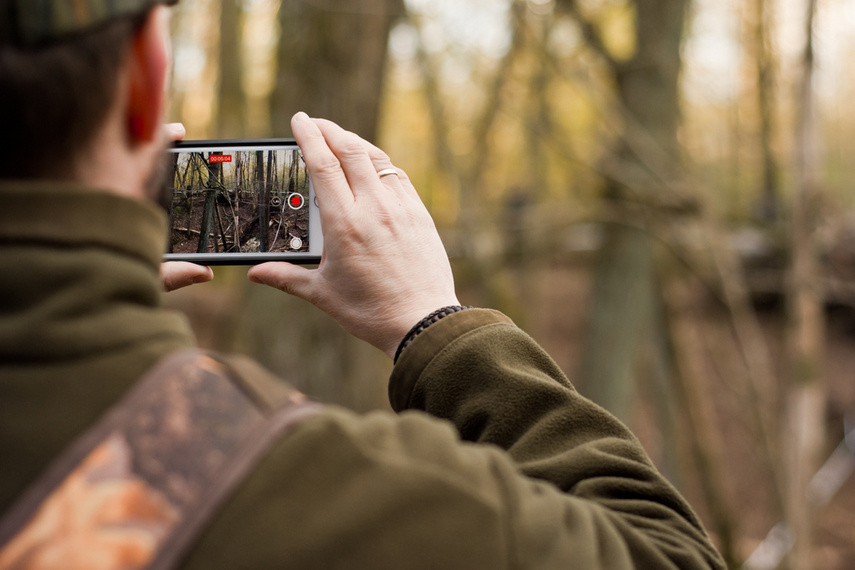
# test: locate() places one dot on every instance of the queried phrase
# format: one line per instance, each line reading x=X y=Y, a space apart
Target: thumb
x=291 y=279
x=177 y=274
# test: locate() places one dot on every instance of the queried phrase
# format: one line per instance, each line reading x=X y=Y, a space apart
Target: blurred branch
x=646 y=151
x=715 y=265
x=467 y=176
x=489 y=114
x=436 y=108
x=359 y=7
x=683 y=332
x=822 y=487
x=591 y=33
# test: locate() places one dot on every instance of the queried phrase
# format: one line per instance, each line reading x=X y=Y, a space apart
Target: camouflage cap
x=30 y=22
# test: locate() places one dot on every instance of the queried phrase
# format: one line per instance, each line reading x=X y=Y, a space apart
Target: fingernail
x=204 y=278
x=301 y=117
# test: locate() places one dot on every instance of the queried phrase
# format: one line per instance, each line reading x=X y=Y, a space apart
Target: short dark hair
x=55 y=97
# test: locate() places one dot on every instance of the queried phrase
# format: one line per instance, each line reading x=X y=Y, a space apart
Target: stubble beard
x=157 y=185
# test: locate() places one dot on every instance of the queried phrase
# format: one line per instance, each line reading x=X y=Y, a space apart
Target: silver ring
x=387 y=172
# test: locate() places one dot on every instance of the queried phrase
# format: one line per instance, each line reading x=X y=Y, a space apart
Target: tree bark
x=760 y=38
x=647 y=154
x=264 y=206
x=806 y=396
x=213 y=183
x=230 y=99
x=260 y=192
x=618 y=318
x=332 y=61
x=168 y=200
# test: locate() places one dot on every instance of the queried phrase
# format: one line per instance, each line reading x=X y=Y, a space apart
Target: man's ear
x=148 y=71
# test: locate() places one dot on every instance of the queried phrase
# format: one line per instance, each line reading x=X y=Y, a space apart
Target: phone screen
x=241 y=202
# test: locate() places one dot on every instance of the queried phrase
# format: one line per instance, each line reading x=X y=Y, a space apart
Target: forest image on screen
x=239 y=201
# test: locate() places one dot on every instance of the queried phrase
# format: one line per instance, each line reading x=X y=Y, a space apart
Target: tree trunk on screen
x=213 y=183
x=331 y=62
x=262 y=203
x=264 y=206
x=169 y=200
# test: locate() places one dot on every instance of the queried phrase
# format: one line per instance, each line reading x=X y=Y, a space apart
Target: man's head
x=68 y=70
x=29 y=23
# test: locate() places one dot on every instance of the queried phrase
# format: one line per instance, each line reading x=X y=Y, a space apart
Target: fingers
x=291 y=279
x=381 y=162
x=359 y=160
x=378 y=157
x=177 y=274
x=174 y=132
x=331 y=187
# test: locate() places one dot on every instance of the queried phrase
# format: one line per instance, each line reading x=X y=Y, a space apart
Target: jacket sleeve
x=542 y=478
x=605 y=505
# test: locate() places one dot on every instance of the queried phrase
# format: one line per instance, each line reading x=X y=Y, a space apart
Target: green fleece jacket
x=493 y=460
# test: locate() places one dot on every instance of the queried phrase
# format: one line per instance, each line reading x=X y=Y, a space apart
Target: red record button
x=296 y=201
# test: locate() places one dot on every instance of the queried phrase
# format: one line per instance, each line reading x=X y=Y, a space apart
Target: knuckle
x=351 y=149
x=326 y=167
x=380 y=156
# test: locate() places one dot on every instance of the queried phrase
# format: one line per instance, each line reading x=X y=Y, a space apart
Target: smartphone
x=241 y=202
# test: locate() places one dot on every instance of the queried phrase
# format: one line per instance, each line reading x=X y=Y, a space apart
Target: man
x=519 y=471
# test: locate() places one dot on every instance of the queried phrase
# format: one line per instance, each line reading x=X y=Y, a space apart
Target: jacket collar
x=79 y=273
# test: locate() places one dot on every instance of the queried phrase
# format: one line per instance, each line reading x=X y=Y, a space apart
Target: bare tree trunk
x=230 y=113
x=239 y=166
x=332 y=61
x=806 y=396
x=213 y=183
x=168 y=198
x=648 y=156
x=262 y=203
x=761 y=37
x=264 y=206
x=618 y=318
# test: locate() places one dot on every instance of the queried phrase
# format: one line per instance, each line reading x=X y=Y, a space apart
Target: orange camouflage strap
x=136 y=489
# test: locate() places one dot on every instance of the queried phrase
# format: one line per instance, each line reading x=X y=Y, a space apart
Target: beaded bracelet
x=425 y=323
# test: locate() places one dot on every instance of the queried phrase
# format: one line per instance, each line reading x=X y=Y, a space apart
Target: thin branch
x=593 y=36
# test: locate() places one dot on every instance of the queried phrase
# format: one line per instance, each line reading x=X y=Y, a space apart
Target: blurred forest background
x=658 y=191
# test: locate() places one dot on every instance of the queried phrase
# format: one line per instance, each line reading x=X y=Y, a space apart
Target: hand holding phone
x=384 y=266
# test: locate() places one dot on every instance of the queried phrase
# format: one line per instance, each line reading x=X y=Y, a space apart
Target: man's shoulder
x=169 y=453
